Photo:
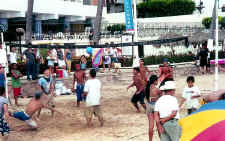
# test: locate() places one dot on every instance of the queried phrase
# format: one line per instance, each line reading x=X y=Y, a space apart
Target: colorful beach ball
x=89 y=50
x=206 y=124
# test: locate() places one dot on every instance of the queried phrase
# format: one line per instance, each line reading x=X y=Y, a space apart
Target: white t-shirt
x=165 y=105
x=12 y=57
x=3 y=59
x=93 y=88
x=188 y=93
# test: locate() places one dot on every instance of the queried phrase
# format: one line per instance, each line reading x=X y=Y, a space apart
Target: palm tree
x=29 y=19
x=98 y=20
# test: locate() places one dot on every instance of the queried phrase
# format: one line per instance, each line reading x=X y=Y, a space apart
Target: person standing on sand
x=140 y=90
x=145 y=73
x=92 y=91
x=4 y=127
x=35 y=105
x=167 y=114
x=165 y=72
x=2 y=76
x=190 y=96
x=68 y=58
x=16 y=83
x=154 y=93
x=203 y=57
x=80 y=78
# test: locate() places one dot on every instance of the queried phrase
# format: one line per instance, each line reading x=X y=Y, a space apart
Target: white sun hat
x=169 y=85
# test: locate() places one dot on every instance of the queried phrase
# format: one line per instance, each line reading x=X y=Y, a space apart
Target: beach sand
x=122 y=123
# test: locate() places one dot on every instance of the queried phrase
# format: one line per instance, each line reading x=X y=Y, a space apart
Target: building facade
x=49 y=15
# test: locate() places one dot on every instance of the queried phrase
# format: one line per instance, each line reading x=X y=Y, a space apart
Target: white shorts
x=31 y=123
x=117 y=65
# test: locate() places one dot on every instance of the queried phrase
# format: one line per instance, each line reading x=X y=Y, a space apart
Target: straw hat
x=169 y=85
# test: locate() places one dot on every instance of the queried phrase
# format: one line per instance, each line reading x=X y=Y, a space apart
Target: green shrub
x=162 y=8
x=116 y=27
x=207 y=22
x=155 y=60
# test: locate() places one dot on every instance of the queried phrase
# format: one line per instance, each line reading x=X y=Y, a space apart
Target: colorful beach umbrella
x=206 y=124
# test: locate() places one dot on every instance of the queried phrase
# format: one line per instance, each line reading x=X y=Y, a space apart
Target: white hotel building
x=73 y=15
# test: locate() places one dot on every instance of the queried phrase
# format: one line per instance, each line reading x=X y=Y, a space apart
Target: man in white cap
x=167 y=114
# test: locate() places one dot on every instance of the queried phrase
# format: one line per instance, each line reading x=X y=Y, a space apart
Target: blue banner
x=128 y=15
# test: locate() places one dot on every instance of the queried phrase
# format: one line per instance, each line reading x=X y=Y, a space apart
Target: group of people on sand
x=162 y=107
x=88 y=90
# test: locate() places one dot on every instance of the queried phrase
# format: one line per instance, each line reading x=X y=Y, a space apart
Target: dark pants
x=37 y=69
x=30 y=68
x=138 y=98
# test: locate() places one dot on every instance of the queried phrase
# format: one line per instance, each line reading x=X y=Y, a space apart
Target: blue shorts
x=79 y=91
x=21 y=116
x=114 y=60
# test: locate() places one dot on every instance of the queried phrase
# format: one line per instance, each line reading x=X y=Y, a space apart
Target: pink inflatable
x=220 y=61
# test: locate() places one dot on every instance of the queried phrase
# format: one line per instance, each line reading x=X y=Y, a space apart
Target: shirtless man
x=80 y=78
x=33 y=106
x=145 y=73
x=140 y=87
x=165 y=73
x=154 y=94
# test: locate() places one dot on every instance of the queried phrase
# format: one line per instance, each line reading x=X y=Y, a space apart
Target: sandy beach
x=122 y=123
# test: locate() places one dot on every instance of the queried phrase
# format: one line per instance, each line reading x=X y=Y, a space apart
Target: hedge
x=162 y=8
x=207 y=22
x=116 y=27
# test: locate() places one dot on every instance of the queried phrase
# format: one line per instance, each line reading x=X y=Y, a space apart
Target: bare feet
x=90 y=125
x=102 y=123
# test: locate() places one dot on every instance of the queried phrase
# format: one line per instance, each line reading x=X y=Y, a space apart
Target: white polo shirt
x=165 y=105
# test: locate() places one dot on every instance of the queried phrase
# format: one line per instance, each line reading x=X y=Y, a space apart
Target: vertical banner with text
x=128 y=15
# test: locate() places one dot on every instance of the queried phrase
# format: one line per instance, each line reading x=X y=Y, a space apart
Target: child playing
x=16 y=84
x=80 y=78
x=191 y=94
x=92 y=91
